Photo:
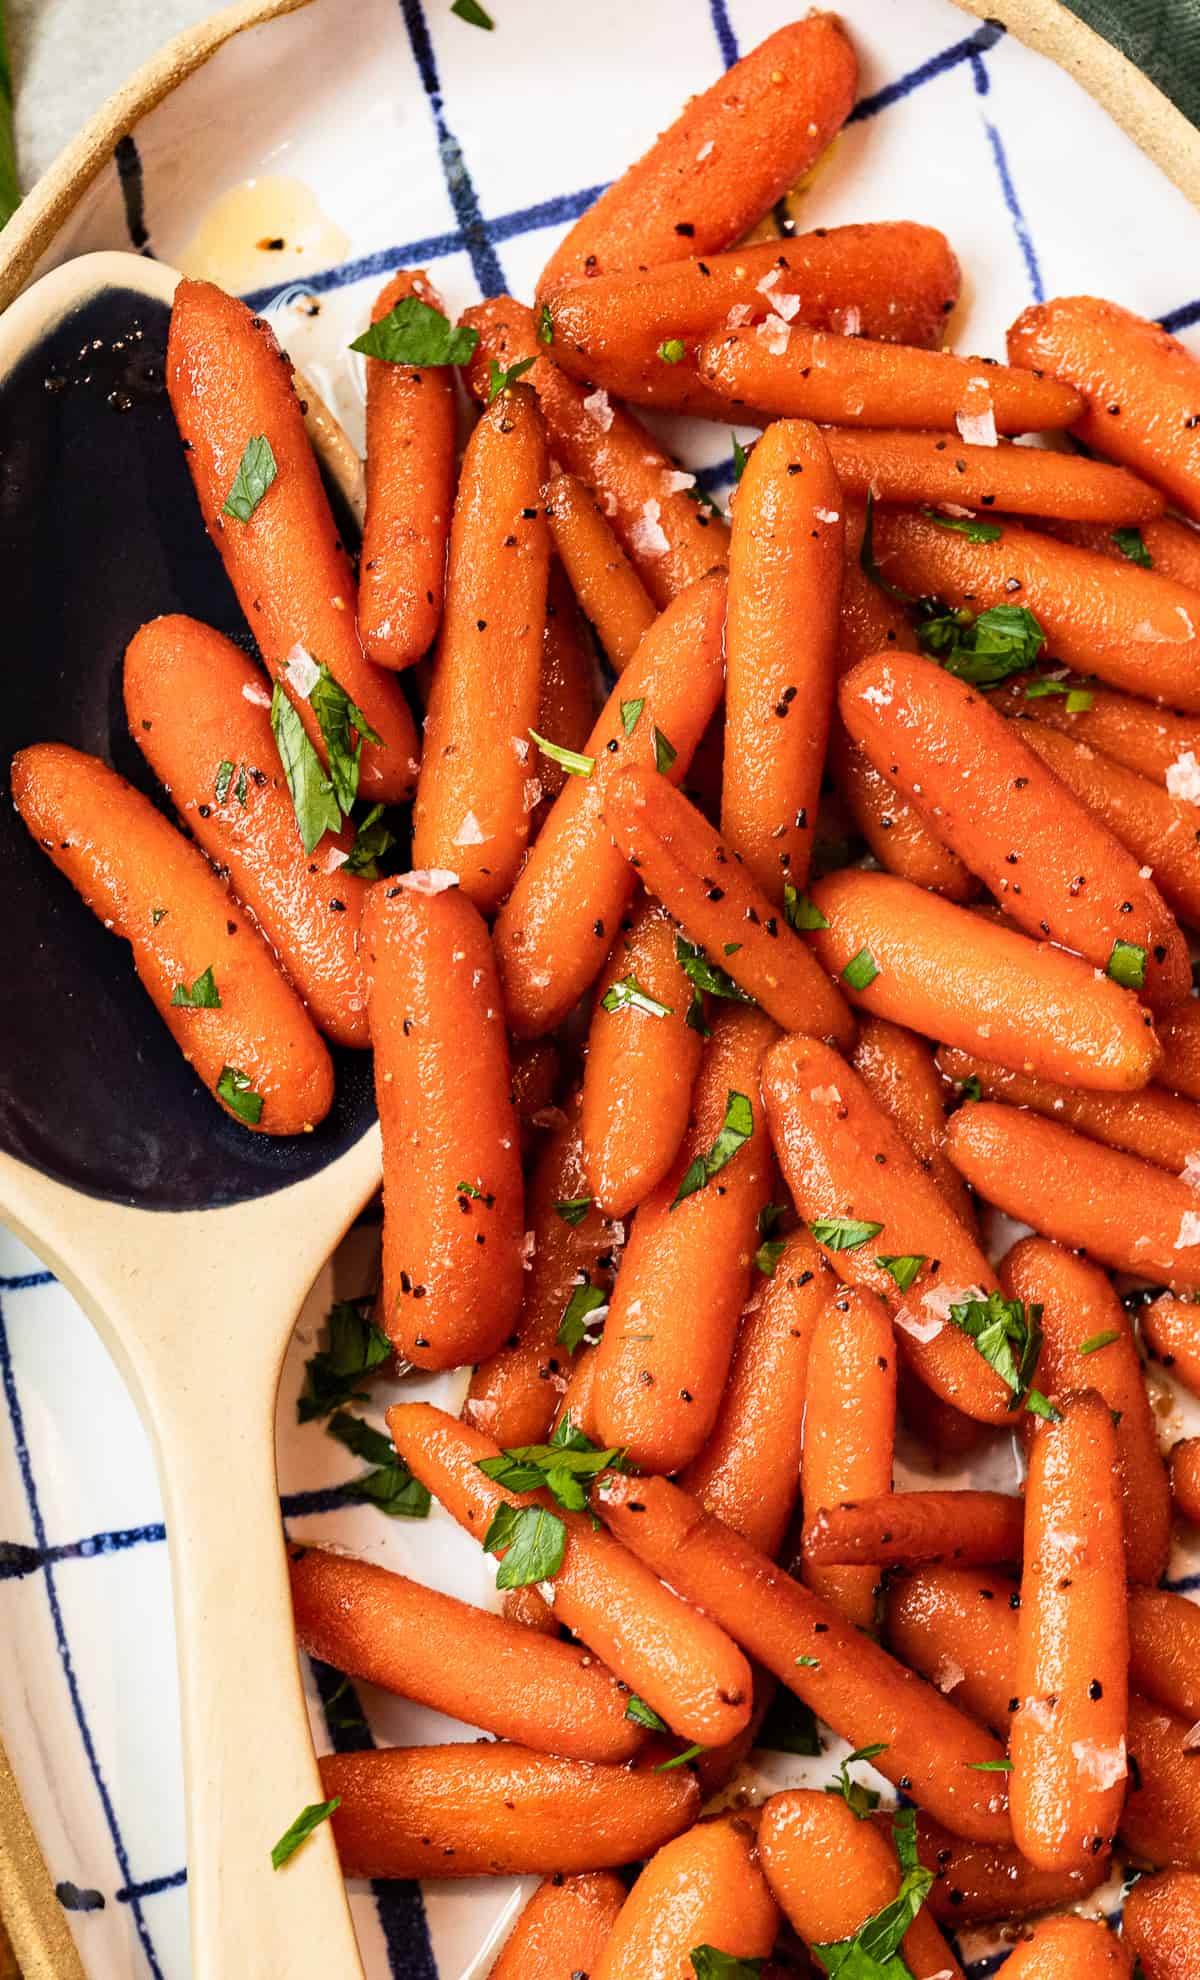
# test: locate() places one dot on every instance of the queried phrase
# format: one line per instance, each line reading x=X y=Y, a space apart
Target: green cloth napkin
x=1162 y=37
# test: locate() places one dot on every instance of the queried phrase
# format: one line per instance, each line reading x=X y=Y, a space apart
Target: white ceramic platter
x=377 y=136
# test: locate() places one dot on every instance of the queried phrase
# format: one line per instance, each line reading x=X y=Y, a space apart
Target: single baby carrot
x=1164 y=1649
x=536 y=1065
x=1069 y=1949
x=1170 y=1329
x=666 y=1346
x=979 y=1883
x=785 y=577
x=683 y=861
x=1149 y=824
x=1140 y=387
x=515 y=1392
x=211 y=977
x=1126 y=1213
x=829 y=1135
x=1087 y=1342
x=496 y=1810
x=453 y=1198
x=1185 y=1478
x=703 y=1889
x=749 y=1470
x=832 y=1872
x=1179 y=1036
x=730 y=154
x=793 y=372
x=958 y=1628
x=466 y=1662
x=198 y=711
x=567 y=695
x=471 y=815
x=1160 y=1923
x=952 y=975
x=601 y=575
x=530 y=1609
x=849 y=1435
x=890 y=279
x=1161 y=1127
x=240 y=421
x=937 y=468
x=680 y=1662
x=563 y=1929
x=1051 y=863
x=1067 y=1743
x=899 y=1072
x=642 y=1057
x=945 y=1432
x=1173 y=547
x=850 y=1683
x=1136 y=630
x=410 y=493
x=1139 y=734
x=1160 y=1821
x=556 y=928
x=906 y=1529
x=577 y=1406
x=670 y=539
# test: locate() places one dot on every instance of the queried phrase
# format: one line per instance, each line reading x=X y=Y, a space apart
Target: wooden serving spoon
x=190 y=1243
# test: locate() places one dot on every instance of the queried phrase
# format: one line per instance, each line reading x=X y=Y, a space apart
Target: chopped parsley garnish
x=903 y=1269
x=844 y=1233
x=1095 y=1342
x=799 y=911
x=631 y=712
x=671 y=350
x=1127 y=965
x=664 y=752
x=982 y=649
x=874 y=1951
x=203 y=995
x=710 y=1963
x=628 y=995
x=678 y=1760
x=573 y=1329
x=389 y=1486
x=469 y=1189
x=532 y=1540
x=234 y=1088
x=644 y=1715
x=372 y=839
x=573 y=1209
x=861 y=970
x=974 y=528
x=545 y=328
x=1132 y=544
x=860 y=1800
x=297 y=1835
x=224 y=780
x=313 y=800
x=570 y=760
x=256 y=472
x=991 y=1766
x=414 y=333
x=739 y=459
x=334 y=1375
x=473 y=13
x=790 y=1725
x=566 y=1467
x=1008 y=1334
x=705 y=975
x=500 y=380
x=970 y=1088
x=159 y=914
x=735 y=1132
x=336 y=716
x=1079 y=699
x=767 y=1257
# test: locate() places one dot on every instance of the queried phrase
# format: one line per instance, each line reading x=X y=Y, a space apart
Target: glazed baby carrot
x=1160 y=1127
x=702 y=882
x=785 y=574
x=945 y=1432
x=940 y=468
x=1172 y=546
x=899 y=1072
x=977 y=1883
x=557 y=926
x=670 y=539
x=563 y=1929
x=730 y=154
x=1185 y=1478
x=1136 y=630
x=952 y=975
x=666 y=1346
x=410 y=492
x=576 y=1407
x=531 y=1610
x=849 y=1435
x=535 y=1067
x=516 y=1391
x=830 y=1137
x=1126 y=1213
x=1053 y=866
x=792 y=372
x=1087 y=1342
x=1179 y=1036
x=641 y=1063
x=1152 y=826
x=703 y=1889
x=958 y=1627
x=1069 y=1949
x=496 y=1810
x=471 y=815
x=851 y=1683
x=212 y=979
x=749 y=1470
x=1164 y=1648
x=832 y=1872
x=1140 y=387
x=905 y=1529
x=680 y=1662
x=1067 y=1742
x=601 y=575
x=198 y=710
x=1160 y=1923
x=1139 y=734
x=453 y=1197
x=567 y=696
x=891 y=279
x=1160 y=1821
x=243 y=430
x=466 y=1662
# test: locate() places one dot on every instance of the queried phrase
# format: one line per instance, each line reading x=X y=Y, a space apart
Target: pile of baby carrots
x=712 y=1020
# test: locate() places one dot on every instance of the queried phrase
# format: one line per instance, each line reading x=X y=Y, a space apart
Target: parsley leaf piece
x=533 y=1542
x=861 y=970
x=843 y=1233
x=500 y=381
x=256 y=472
x=705 y=975
x=235 y=1090
x=768 y=1255
x=1132 y=544
x=974 y=528
x=860 y=1800
x=545 y=328
x=241 y=789
x=672 y=350
x=297 y=1835
x=317 y=809
x=983 y=649
x=372 y=839
x=903 y=1269
x=969 y=1088
x=224 y=780
x=868 y=565
x=343 y=1712
x=389 y=1486
x=991 y=1766
x=334 y=1374
x=470 y=1189
x=203 y=995
x=631 y=712
x=739 y=459
x=585 y=1300
x=473 y=13
x=736 y=1131
x=336 y=716
x=158 y=914
x=710 y=1963
x=628 y=994
x=790 y=1726
x=361 y=1438
x=1008 y=1334
x=678 y=1759
x=799 y=911
x=413 y=333
x=1095 y=1342
x=664 y=752
x=565 y=1470
x=575 y=764
x=873 y=1952
x=573 y=1209
x=1079 y=701
x=1127 y=965
x=644 y=1715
